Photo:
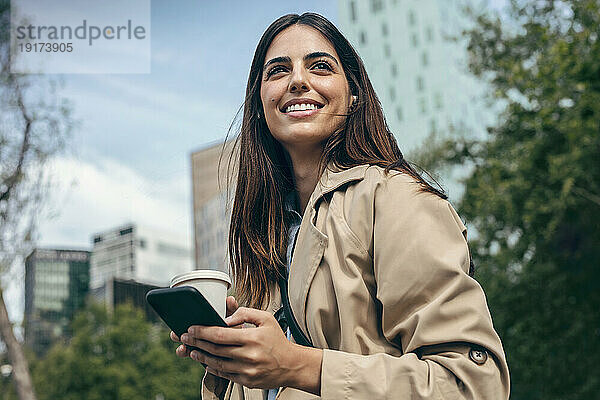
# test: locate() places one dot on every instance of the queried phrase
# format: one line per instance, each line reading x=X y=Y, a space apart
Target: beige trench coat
x=379 y=281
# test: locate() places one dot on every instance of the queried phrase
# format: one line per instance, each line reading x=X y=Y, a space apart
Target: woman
x=378 y=260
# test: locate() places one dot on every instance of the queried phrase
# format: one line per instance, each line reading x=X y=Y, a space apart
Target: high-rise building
x=56 y=284
x=211 y=213
x=133 y=252
x=417 y=68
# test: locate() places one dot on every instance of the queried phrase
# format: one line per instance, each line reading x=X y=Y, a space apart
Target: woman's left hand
x=256 y=357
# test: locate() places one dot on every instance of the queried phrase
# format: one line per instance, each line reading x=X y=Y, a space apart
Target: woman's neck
x=305 y=171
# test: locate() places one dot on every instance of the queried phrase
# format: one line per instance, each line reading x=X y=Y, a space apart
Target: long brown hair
x=257 y=233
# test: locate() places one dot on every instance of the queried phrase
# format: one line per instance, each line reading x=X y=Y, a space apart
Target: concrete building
x=418 y=71
x=133 y=252
x=211 y=211
x=56 y=285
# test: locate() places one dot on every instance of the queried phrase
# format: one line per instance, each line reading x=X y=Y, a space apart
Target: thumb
x=232 y=305
x=247 y=315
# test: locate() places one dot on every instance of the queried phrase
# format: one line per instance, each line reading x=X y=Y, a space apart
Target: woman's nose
x=298 y=81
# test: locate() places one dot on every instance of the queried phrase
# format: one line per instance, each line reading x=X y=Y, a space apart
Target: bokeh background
x=110 y=183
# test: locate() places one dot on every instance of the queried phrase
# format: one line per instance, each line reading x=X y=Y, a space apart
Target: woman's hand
x=259 y=357
x=183 y=351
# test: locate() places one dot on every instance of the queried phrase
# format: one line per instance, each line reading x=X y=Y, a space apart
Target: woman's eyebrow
x=318 y=54
x=309 y=56
x=277 y=60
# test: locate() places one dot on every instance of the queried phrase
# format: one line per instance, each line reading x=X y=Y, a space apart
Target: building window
x=412 y=18
x=394 y=69
x=387 y=50
x=353 y=11
x=423 y=105
x=384 y=29
x=376 y=5
x=420 y=83
x=425 y=59
x=439 y=104
x=126 y=231
x=399 y=113
x=414 y=39
x=363 y=38
x=392 y=94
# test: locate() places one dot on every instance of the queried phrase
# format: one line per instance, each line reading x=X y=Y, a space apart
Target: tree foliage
x=533 y=198
x=116 y=356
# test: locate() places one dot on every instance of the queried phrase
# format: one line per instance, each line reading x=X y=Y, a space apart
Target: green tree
x=116 y=356
x=533 y=197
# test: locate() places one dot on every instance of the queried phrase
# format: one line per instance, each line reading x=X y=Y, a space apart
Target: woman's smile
x=301 y=108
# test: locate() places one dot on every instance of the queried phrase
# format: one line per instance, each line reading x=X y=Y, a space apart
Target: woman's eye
x=322 y=65
x=275 y=70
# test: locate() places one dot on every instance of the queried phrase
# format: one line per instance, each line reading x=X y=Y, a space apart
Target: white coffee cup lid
x=201 y=274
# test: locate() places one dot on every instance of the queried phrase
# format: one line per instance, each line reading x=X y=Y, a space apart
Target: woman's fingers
x=248 y=315
x=223 y=365
x=216 y=334
x=232 y=305
x=182 y=351
x=239 y=353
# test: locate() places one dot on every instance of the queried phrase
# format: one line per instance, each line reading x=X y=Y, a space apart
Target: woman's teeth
x=301 y=107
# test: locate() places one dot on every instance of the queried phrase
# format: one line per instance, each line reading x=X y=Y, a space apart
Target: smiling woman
x=381 y=295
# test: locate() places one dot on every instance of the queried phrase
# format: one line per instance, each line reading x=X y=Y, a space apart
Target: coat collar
x=333 y=178
x=311 y=241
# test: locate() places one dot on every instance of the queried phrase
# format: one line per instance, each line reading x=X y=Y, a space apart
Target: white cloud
x=100 y=194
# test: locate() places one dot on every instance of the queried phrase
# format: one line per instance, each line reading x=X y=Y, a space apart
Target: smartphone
x=182 y=307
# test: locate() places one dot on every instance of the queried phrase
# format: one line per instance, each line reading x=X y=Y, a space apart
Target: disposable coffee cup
x=212 y=284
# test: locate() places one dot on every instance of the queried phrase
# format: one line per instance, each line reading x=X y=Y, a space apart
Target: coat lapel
x=311 y=241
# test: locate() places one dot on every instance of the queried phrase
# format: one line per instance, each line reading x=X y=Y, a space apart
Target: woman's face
x=303 y=85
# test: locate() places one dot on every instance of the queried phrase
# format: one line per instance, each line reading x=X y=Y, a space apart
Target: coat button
x=479 y=356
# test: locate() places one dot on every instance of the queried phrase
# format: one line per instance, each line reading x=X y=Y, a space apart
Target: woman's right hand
x=183 y=351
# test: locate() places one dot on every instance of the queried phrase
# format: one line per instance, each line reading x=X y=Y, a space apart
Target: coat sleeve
x=431 y=309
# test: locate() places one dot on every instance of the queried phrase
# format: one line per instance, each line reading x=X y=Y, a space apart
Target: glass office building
x=417 y=63
x=56 y=285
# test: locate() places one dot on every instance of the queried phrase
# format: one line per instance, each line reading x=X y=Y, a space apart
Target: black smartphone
x=182 y=307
